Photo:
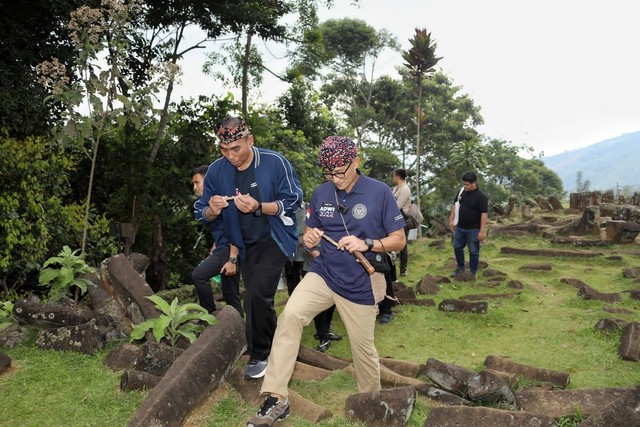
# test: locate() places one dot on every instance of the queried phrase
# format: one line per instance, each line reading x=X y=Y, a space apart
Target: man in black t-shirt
x=468 y=220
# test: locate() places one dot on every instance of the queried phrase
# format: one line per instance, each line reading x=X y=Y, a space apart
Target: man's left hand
x=482 y=235
x=245 y=203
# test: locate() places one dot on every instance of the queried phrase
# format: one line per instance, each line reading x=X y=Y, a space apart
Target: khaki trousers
x=311 y=296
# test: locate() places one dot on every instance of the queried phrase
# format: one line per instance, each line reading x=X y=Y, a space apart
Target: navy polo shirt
x=370 y=210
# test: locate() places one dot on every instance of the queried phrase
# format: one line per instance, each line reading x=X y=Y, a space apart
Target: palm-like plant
x=419 y=62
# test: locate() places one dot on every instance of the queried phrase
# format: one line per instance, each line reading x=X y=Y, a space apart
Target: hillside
x=610 y=164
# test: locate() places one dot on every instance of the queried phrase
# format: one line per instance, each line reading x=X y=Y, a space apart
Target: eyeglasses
x=339 y=175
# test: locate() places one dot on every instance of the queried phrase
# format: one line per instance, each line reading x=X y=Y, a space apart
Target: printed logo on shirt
x=254 y=184
x=308 y=213
x=359 y=211
x=327 y=210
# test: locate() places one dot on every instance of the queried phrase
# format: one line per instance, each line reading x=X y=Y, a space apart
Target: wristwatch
x=258 y=211
x=369 y=243
x=233 y=260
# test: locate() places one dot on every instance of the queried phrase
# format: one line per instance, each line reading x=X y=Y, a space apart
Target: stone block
x=462 y=306
x=384 y=408
x=477 y=416
x=563 y=403
x=449 y=377
x=629 y=348
x=441 y=396
x=198 y=371
x=498 y=363
x=85 y=339
x=622 y=412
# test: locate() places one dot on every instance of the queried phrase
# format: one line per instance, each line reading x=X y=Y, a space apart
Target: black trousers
x=210 y=267
x=261 y=272
x=293 y=272
x=384 y=306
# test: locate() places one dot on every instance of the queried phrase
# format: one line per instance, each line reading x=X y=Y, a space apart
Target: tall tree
x=420 y=60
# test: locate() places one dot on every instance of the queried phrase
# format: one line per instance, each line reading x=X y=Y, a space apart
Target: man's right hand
x=216 y=204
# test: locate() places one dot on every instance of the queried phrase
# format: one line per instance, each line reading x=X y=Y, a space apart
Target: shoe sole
x=282 y=417
x=255 y=377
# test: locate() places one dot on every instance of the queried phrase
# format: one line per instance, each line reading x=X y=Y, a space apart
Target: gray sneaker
x=255 y=369
x=271 y=411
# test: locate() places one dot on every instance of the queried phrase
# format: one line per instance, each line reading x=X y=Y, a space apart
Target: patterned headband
x=337 y=151
x=227 y=135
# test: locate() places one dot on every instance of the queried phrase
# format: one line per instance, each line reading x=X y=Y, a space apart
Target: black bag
x=380 y=262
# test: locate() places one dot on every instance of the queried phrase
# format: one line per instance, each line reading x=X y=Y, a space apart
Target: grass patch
x=545 y=325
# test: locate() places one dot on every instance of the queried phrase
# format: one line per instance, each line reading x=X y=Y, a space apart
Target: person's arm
x=231 y=266
x=452 y=215
x=482 y=234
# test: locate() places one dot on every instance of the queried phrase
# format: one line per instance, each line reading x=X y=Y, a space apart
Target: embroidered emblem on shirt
x=359 y=211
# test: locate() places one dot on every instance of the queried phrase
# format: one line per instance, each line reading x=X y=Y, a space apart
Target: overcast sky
x=553 y=74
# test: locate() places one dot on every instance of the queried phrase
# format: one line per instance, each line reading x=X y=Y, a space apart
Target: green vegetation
x=545 y=325
x=61 y=280
x=176 y=320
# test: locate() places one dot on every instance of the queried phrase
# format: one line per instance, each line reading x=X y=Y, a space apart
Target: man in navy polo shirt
x=360 y=214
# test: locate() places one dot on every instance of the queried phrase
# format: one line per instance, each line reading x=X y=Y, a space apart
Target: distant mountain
x=609 y=165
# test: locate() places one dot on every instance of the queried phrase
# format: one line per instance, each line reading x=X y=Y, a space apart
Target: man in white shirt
x=402 y=194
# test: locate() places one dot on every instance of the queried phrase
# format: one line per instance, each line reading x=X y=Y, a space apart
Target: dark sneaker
x=386 y=318
x=271 y=411
x=324 y=345
x=457 y=271
x=404 y=273
x=328 y=336
x=255 y=369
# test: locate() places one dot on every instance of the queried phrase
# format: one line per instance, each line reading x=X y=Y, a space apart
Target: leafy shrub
x=175 y=321
x=72 y=267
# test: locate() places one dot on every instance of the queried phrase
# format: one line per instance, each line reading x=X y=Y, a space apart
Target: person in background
x=294 y=270
x=402 y=194
x=256 y=193
x=359 y=214
x=468 y=220
x=222 y=259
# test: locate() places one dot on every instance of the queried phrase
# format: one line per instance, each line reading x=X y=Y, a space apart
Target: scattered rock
x=493 y=273
x=617 y=310
x=543 y=267
x=441 y=396
x=587 y=292
x=498 y=363
x=138 y=380
x=407 y=369
x=448 y=377
x=481 y=297
x=384 y=408
x=549 y=253
x=197 y=372
x=321 y=360
x=635 y=294
x=478 y=416
x=491 y=389
x=462 y=306
x=406 y=293
x=622 y=232
x=631 y=273
x=13 y=335
x=576 y=283
x=515 y=284
x=428 y=285
x=123 y=356
x=563 y=403
x=305 y=372
x=622 y=412
x=629 y=348
x=84 y=339
x=5 y=362
x=420 y=302
x=610 y=325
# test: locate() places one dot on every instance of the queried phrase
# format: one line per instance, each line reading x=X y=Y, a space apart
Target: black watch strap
x=258 y=211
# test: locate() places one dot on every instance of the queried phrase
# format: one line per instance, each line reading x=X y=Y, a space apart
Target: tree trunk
x=159 y=257
x=418 y=123
x=245 y=73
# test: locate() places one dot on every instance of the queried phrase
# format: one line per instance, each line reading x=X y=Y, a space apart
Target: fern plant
x=72 y=268
x=175 y=321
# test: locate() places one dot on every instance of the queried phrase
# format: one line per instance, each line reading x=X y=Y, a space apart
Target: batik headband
x=337 y=151
x=229 y=134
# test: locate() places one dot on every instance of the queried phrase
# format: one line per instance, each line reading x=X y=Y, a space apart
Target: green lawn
x=546 y=325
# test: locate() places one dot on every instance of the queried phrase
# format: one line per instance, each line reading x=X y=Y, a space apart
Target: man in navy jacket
x=256 y=193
